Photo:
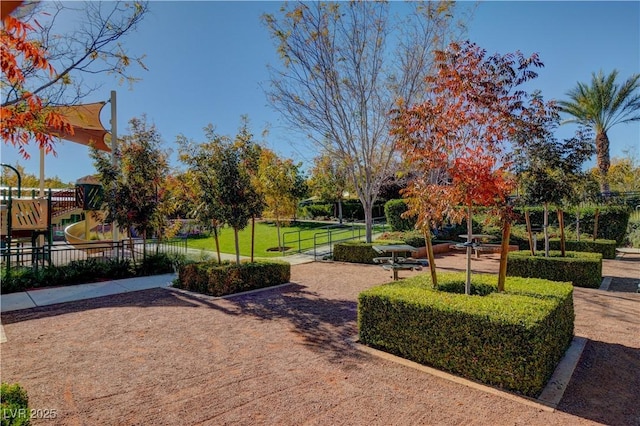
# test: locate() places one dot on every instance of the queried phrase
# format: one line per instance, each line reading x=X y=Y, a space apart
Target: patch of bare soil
x=284 y=356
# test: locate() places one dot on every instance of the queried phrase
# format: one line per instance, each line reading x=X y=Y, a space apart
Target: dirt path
x=284 y=357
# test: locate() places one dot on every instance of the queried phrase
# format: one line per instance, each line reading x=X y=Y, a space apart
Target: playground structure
x=27 y=221
x=88 y=197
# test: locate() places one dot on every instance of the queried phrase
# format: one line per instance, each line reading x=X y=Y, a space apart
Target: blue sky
x=207 y=62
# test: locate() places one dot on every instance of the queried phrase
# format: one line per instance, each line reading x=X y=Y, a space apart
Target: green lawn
x=266 y=237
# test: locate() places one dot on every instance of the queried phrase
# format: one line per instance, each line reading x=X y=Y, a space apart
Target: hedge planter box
x=582 y=269
x=217 y=279
x=513 y=340
x=607 y=248
x=358 y=252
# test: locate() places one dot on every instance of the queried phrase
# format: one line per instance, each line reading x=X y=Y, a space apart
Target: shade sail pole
x=114 y=147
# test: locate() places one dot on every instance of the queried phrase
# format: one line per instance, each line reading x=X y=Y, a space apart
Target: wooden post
x=546 y=229
x=431 y=258
x=562 y=236
x=529 y=233
x=504 y=253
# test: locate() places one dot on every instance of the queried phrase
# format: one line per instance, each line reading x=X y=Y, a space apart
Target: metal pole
x=114 y=147
x=17 y=174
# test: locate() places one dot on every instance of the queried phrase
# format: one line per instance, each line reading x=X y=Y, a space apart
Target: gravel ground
x=285 y=356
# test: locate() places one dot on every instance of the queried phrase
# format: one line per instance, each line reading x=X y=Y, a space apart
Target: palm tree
x=601 y=106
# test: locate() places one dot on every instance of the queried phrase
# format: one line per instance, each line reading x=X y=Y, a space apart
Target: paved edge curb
x=3 y=337
x=228 y=296
x=606 y=282
x=549 y=398
x=557 y=384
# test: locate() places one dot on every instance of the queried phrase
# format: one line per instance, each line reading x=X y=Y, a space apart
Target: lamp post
x=17 y=173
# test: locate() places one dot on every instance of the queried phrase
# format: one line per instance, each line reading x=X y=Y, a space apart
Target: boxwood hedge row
x=580 y=268
x=512 y=340
x=607 y=248
x=217 y=279
x=358 y=252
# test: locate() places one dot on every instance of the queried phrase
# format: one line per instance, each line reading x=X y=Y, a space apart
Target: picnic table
x=476 y=243
x=394 y=262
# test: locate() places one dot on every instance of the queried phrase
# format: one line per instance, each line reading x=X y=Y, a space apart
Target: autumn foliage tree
x=28 y=118
x=462 y=132
x=135 y=189
x=279 y=180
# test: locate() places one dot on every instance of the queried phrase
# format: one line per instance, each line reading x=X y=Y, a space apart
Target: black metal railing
x=23 y=253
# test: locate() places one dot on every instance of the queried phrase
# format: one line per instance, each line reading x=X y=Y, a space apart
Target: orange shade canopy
x=87 y=128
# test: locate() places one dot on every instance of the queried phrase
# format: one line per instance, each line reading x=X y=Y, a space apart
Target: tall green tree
x=343 y=66
x=200 y=181
x=600 y=106
x=279 y=181
x=133 y=188
x=549 y=170
x=329 y=180
x=222 y=168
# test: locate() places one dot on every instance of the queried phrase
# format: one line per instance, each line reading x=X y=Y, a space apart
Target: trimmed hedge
x=512 y=340
x=393 y=210
x=612 y=220
x=580 y=268
x=358 y=252
x=217 y=279
x=14 y=405
x=607 y=248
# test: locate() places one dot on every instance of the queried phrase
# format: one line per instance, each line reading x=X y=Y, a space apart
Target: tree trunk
x=340 y=211
x=215 y=237
x=529 y=233
x=562 y=236
x=235 y=236
x=144 y=245
x=603 y=161
x=595 y=224
x=280 y=247
x=546 y=229
x=467 y=284
x=504 y=254
x=368 y=221
x=431 y=258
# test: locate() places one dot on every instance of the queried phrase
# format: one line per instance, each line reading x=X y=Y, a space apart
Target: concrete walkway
x=52 y=295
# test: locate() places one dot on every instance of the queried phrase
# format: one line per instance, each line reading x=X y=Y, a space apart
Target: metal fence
x=21 y=253
x=323 y=238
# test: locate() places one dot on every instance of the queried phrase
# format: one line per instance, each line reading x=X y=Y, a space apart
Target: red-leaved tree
x=461 y=134
x=27 y=119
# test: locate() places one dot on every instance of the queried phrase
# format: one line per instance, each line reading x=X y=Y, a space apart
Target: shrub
x=312 y=211
x=612 y=220
x=358 y=252
x=86 y=271
x=15 y=405
x=217 y=279
x=633 y=232
x=17 y=279
x=580 y=268
x=393 y=209
x=607 y=248
x=159 y=263
x=513 y=340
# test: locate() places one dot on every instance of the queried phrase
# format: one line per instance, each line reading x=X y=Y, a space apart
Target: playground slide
x=75 y=235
